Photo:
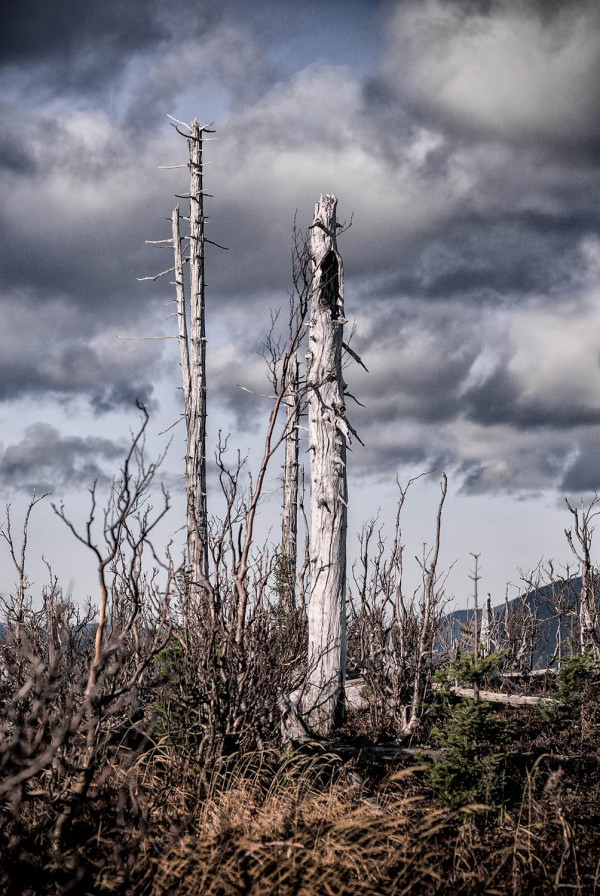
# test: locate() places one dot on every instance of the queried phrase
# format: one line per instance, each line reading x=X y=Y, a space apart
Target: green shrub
x=575 y=672
x=472 y=768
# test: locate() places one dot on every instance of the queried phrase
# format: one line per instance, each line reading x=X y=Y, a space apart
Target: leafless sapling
x=430 y=599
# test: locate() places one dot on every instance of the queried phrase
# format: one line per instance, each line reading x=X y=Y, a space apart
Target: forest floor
x=485 y=799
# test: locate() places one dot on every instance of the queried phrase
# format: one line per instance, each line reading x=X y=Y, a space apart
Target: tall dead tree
x=192 y=342
x=323 y=699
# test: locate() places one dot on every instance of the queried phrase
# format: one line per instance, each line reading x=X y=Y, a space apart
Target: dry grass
x=263 y=824
x=298 y=826
x=266 y=822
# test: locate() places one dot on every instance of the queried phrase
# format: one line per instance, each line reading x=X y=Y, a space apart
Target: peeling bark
x=323 y=698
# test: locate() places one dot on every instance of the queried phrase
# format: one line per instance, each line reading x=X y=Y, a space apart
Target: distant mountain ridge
x=535 y=612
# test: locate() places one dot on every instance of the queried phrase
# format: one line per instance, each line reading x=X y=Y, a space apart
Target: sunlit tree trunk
x=323 y=700
x=192 y=344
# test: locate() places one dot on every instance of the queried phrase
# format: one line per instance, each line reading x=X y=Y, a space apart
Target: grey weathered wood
x=192 y=344
x=323 y=698
x=493 y=697
x=193 y=547
x=588 y=611
x=487 y=615
x=197 y=426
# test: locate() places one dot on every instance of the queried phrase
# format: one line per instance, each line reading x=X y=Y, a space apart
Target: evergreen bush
x=472 y=769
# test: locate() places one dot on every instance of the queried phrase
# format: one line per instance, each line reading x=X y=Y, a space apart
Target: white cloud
x=504 y=68
x=555 y=353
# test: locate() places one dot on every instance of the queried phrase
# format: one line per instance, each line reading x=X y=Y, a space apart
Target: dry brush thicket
x=161 y=740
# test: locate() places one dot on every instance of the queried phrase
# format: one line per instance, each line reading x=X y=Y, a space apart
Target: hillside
x=544 y=617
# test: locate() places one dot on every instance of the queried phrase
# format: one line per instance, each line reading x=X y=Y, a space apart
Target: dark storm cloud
x=506 y=255
x=491 y=258
x=45 y=460
x=582 y=473
x=464 y=204
x=20 y=381
x=418 y=359
x=49 y=349
x=583 y=476
x=379 y=461
x=500 y=400
x=32 y=30
x=14 y=156
x=81 y=46
x=86 y=49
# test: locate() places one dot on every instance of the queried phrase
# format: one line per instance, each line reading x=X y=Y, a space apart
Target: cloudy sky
x=464 y=139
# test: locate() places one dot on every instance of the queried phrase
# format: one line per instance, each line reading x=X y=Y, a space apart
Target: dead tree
x=323 y=699
x=475 y=578
x=588 y=613
x=562 y=604
x=192 y=342
x=487 y=621
x=189 y=250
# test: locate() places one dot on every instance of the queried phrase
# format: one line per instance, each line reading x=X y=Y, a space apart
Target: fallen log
x=493 y=697
x=381 y=752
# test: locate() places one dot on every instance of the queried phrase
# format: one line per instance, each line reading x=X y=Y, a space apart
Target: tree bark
x=191 y=454
x=192 y=344
x=487 y=615
x=323 y=699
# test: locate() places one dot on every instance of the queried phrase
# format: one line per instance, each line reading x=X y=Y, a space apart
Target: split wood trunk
x=323 y=698
x=588 y=615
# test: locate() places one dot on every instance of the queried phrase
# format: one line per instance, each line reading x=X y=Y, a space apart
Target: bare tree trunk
x=197 y=422
x=323 y=700
x=193 y=548
x=192 y=345
x=487 y=617
x=475 y=577
x=289 y=520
